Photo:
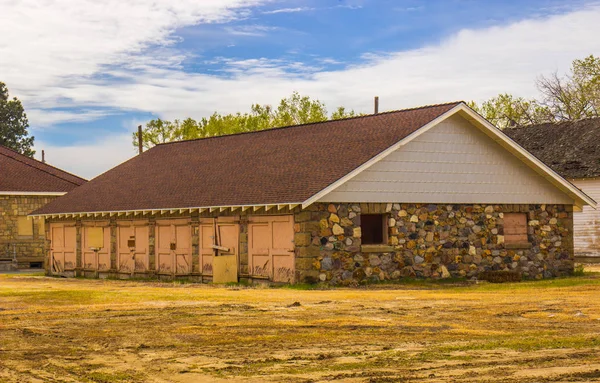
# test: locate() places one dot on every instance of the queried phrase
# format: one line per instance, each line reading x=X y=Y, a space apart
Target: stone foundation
x=432 y=241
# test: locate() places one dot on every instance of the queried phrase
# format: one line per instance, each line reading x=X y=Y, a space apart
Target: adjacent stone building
x=572 y=149
x=430 y=192
x=26 y=185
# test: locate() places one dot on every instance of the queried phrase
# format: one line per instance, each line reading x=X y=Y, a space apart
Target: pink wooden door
x=271 y=247
x=282 y=248
x=174 y=247
x=132 y=246
x=259 y=257
x=95 y=260
x=206 y=237
x=229 y=236
x=63 y=237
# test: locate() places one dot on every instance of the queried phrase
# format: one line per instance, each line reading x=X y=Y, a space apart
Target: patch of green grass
x=525 y=343
x=579 y=270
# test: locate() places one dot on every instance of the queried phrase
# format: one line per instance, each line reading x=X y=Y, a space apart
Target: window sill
x=376 y=249
x=518 y=245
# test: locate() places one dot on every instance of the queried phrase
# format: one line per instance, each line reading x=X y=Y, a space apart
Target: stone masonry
x=431 y=241
x=28 y=248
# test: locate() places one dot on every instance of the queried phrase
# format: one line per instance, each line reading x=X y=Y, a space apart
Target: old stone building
x=26 y=185
x=572 y=149
x=430 y=192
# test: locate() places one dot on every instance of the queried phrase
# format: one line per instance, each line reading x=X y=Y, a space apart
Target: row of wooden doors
x=270 y=247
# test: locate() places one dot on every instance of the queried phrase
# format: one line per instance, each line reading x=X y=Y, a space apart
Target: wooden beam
x=222 y=248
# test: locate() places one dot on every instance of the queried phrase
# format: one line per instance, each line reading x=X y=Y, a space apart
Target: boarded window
x=24 y=226
x=515 y=228
x=373 y=228
x=95 y=237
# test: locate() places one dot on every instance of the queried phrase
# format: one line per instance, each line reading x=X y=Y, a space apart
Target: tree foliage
x=14 y=124
x=292 y=110
x=571 y=97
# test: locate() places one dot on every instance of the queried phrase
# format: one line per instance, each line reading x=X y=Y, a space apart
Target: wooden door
x=174 y=247
x=95 y=246
x=63 y=237
x=225 y=262
x=132 y=246
x=271 y=247
x=206 y=238
x=282 y=249
x=225 y=266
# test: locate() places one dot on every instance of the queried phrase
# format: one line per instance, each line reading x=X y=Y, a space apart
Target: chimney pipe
x=43 y=156
x=376 y=104
x=140 y=140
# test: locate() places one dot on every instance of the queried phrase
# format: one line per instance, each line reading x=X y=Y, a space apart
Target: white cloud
x=250 y=30
x=88 y=159
x=288 y=10
x=52 y=44
x=471 y=64
x=44 y=118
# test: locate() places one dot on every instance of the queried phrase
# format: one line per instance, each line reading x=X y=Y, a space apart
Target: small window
x=373 y=229
x=24 y=226
x=515 y=228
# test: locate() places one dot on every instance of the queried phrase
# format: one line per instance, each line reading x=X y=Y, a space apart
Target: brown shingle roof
x=572 y=149
x=283 y=165
x=19 y=173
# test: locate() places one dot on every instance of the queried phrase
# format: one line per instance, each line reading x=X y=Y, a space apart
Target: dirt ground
x=74 y=330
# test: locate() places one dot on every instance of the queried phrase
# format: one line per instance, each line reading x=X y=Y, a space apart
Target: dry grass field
x=74 y=330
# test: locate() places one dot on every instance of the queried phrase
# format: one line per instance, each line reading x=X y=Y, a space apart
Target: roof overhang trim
x=145 y=212
x=40 y=193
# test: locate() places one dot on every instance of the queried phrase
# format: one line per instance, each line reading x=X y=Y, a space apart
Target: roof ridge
x=314 y=123
x=36 y=162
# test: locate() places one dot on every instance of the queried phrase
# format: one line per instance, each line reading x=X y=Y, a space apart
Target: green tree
x=568 y=98
x=292 y=110
x=574 y=96
x=507 y=111
x=14 y=124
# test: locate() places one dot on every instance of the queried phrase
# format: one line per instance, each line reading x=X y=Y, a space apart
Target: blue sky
x=88 y=74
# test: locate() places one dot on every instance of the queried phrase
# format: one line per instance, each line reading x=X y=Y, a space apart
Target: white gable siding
x=453 y=162
x=587 y=222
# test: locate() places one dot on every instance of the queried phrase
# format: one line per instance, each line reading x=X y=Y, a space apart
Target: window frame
x=384 y=230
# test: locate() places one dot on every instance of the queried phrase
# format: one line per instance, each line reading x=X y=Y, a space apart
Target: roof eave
x=33 y=193
x=154 y=211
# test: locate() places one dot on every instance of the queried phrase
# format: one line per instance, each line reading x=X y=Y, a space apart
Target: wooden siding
x=453 y=162
x=587 y=222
